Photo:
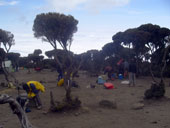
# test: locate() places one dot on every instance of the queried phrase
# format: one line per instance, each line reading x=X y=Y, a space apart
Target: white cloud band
x=93 y=5
x=3 y=3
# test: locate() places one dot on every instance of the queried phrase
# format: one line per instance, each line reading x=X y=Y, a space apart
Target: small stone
x=85 y=110
x=99 y=110
x=45 y=112
x=154 y=122
x=77 y=114
x=137 y=106
x=141 y=101
x=132 y=94
x=108 y=104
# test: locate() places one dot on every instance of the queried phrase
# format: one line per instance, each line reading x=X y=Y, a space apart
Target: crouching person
x=33 y=88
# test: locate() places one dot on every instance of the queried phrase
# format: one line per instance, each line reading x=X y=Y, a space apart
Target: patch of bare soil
x=154 y=114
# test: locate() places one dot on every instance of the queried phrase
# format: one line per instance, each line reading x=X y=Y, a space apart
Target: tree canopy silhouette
x=7 y=39
x=146 y=38
x=37 y=52
x=55 y=27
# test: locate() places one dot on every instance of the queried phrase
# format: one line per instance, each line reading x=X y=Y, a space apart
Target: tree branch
x=164 y=61
x=17 y=109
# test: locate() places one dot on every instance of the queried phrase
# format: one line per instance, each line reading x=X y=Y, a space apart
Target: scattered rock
x=85 y=110
x=5 y=121
x=140 y=85
x=108 y=104
x=99 y=110
x=165 y=126
x=154 y=122
x=45 y=112
x=77 y=114
x=137 y=106
x=132 y=94
x=141 y=101
x=92 y=86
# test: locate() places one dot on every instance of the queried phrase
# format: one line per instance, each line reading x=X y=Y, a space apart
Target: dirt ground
x=155 y=113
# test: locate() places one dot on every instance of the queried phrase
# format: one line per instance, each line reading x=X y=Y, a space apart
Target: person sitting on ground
x=33 y=88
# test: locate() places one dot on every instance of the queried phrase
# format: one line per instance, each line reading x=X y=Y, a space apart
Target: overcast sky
x=98 y=20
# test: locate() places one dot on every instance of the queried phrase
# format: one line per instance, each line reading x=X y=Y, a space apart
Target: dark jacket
x=132 y=67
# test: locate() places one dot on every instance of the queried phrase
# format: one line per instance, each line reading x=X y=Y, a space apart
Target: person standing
x=126 y=69
x=132 y=72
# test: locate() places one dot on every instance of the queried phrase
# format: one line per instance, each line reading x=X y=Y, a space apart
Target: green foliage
x=49 y=64
x=135 y=38
x=92 y=61
x=23 y=61
x=50 y=54
x=61 y=55
x=157 y=35
x=37 y=52
x=14 y=57
x=55 y=27
x=7 y=39
x=36 y=59
x=112 y=49
x=147 y=43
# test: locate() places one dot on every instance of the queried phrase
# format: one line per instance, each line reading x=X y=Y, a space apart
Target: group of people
x=125 y=68
x=33 y=88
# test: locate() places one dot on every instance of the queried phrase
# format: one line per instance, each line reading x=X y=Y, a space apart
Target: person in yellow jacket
x=61 y=79
x=33 y=88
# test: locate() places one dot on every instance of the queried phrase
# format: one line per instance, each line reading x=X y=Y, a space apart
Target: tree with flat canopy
x=37 y=52
x=7 y=39
x=58 y=29
x=150 y=44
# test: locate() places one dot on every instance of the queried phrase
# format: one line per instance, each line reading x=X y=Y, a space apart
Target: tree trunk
x=164 y=61
x=17 y=109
